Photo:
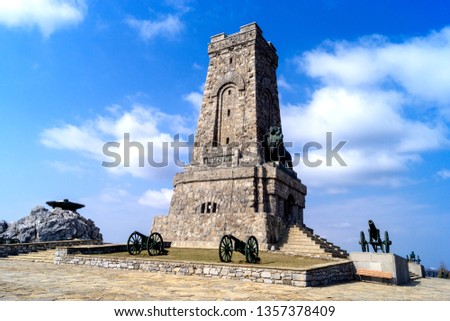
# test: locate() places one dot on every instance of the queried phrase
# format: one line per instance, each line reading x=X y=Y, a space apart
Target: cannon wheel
x=387 y=242
x=251 y=250
x=225 y=248
x=363 y=242
x=134 y=244
x=155 y=244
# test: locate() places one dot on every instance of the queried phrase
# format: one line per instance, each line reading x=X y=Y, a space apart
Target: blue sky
x=77 y=74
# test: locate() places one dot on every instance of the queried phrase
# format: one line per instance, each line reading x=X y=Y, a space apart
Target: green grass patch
x=211 y=256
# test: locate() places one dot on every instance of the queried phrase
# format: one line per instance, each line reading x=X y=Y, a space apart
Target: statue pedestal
x=382 y=262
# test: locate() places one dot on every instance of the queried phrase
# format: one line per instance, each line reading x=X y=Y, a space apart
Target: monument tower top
x=240 y=101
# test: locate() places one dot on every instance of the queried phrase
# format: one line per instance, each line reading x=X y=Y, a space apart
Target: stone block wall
x=21 y=248
x=385 y=262
x=417 y=270
x=206 y=230
x=244 y=201
x=232 y=189
x=327 y=274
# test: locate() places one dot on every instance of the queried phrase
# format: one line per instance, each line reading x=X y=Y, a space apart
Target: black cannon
x=229 y=243
x=138 y=241
x=375 y=240
x=412 y=258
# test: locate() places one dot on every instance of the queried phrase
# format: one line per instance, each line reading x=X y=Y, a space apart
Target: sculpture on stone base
x=375 y=240
x=274 y=148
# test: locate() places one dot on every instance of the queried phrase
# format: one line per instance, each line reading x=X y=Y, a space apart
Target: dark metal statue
x=274 y=148
x=228 y=243
x=375 y=240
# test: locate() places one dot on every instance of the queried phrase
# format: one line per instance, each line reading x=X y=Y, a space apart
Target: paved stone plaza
x=24 y=280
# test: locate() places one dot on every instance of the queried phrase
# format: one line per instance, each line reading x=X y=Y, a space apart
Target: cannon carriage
x=153 y=243
x=230 y=243
x=375 y=240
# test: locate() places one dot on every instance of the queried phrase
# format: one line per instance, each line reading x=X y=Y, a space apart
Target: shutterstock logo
x=330 y=152
x=157 y=154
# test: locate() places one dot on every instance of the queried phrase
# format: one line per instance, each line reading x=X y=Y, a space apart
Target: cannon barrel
x=375 y=239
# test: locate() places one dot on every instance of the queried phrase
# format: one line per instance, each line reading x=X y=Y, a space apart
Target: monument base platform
x=263 y=201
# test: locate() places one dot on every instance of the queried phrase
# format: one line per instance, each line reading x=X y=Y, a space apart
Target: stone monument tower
x=240 y=180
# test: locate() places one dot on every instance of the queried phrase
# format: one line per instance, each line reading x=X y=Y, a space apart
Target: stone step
x=303 y=246
x=309 y=254
x=46 y=256
x=302 y=240
x=306 y=240
x=306 y=252
x=304 y=249
x=308 y=244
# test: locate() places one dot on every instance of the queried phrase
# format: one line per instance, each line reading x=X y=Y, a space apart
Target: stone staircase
x=301 y=240
x=45 y=256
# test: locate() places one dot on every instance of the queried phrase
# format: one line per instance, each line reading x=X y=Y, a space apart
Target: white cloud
x=157 y=199
x=117 y=212
x=418 y=65
x=385 y=99
x=47 y=15
x=114 y=195
x=181 y=5
x=83 y=139
x=169 y=27
x=195 y=98
x=141 y=140
x=65 y=167
x=379 y=146
x=282 y=83
x=444 y=174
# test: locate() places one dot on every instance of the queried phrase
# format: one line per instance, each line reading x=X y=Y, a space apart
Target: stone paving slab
x=20 y=280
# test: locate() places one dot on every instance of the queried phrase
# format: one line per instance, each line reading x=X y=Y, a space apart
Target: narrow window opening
x=229 y=91
x=231 y=60
x=209 y=207
x=228 y=112
x=228 y=140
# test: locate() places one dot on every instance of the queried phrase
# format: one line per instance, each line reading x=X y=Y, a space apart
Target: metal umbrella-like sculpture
x=65 y=205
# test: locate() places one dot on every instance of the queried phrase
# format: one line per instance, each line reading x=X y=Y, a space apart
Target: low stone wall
x=20 y=248
x=383 y=262
x=335 y=272
x=416 y=269
x=93 y=249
